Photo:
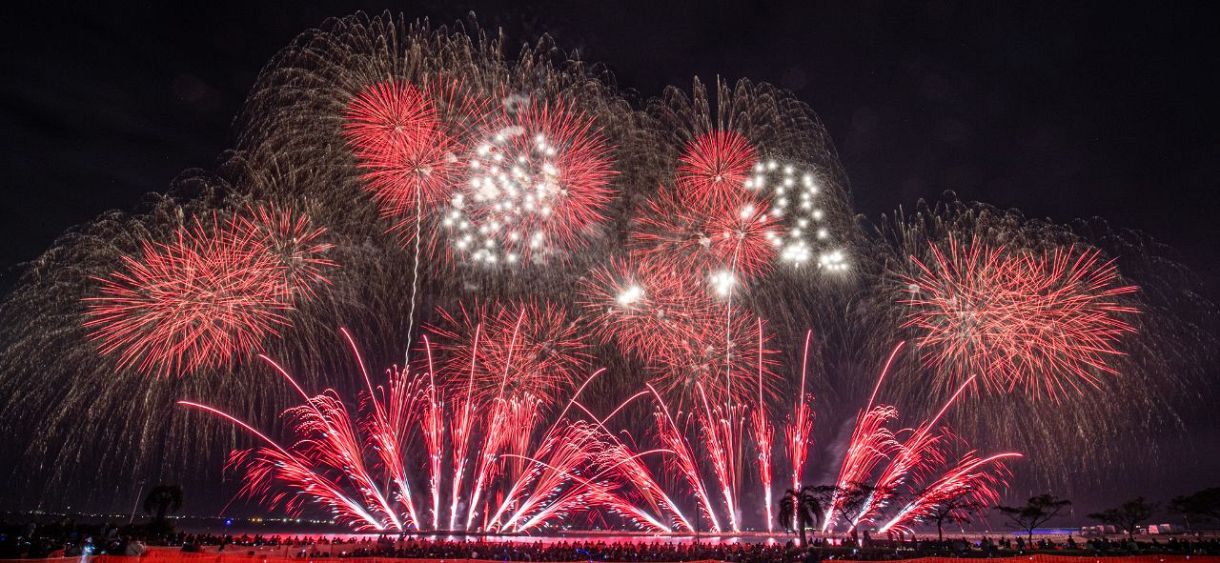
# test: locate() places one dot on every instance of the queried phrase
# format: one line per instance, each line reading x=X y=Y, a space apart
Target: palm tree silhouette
x=161 y=501
x=800 y=509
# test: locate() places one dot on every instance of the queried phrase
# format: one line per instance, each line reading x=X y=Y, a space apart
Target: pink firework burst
x=199 y=301
x=1045 y=322
x=714 y=165
x=731 y=233
x=537 y=181
x=525 y=349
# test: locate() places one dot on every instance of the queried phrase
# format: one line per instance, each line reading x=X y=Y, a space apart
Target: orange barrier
x=168 y=556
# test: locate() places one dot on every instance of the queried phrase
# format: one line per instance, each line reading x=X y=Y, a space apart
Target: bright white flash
x=630 y=295
x=723 y=283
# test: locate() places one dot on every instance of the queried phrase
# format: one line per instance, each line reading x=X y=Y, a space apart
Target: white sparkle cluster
x=513 y=185
x=794 y=203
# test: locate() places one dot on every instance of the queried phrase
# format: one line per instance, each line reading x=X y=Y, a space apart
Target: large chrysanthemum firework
x=1044 y=322
x=536 y=181
x=209 y=296
x=197 y=301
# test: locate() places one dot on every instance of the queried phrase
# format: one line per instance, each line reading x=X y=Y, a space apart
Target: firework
x=195 y=302
x=799 y=428
x=969 y=477
x=730 y=234
x=714 y=165
x=407 y=157
x=389 y=131
x=355 y=465
x=536 y=182
x=719 y=358
x=801 y=232
x=1046 y=323
x=637 y=305
x=764 y=432
x=523 y=349
x=291 y=239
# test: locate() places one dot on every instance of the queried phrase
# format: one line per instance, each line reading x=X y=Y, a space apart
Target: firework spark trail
x=1048 y=323
x=799 y=430
x=291 y=466
x=919 y=450
x=494 y=434
x=764 y=434
x=329 y=439
x=434 y=437
x=870 y=443
x=328 y=457
x=460 y=435
x=719 y=439
x=333 y=439
x=683 y=461
x=632 y=471
x=966 y=478
x=567 y=448
x=390 y=442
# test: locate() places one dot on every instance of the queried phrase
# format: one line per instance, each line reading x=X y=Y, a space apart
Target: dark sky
x=1061 y=111
x=1088 y=109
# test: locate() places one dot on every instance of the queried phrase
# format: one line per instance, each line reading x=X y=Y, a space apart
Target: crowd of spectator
x=67 y=540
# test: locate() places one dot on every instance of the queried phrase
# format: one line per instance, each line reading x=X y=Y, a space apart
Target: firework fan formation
x=503 y=226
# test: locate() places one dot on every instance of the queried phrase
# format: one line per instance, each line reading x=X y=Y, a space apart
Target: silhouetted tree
x=1127 y=516
x=1037 y=511
x=1201 y=505
x=956 y=510
x=161 y=501
x=800 y=509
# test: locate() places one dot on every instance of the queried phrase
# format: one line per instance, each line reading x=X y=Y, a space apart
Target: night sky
x=1060 y=111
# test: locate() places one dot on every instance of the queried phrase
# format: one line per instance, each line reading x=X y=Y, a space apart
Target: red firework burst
x=407 y=141
x=732 y=233
x=520 y=350
x=644 y=308
x=1046 y=322
x=293 y=241
x=537 y=181
x=668 y=320
x=714 y=165
x=199 y=301
x=721 y=354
